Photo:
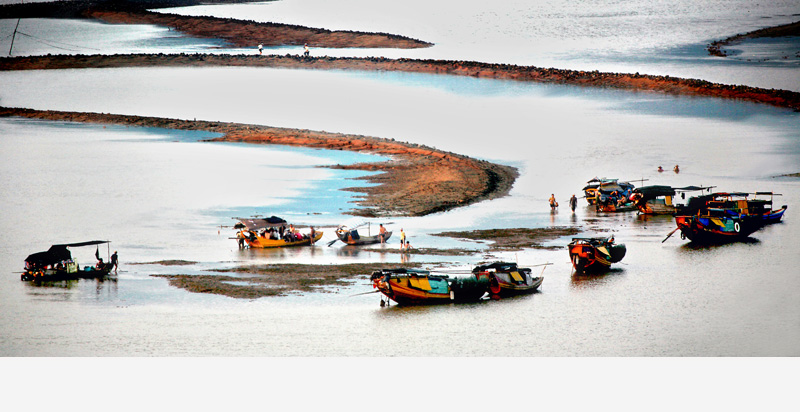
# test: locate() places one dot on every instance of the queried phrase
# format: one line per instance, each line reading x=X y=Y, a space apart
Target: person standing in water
x=573 y=203
x=402 y=239
x=115 y=261
x=260 y=47
x=553 y=203
x=305 y=50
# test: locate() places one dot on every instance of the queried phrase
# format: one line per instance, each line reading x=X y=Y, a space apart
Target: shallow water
x=663 y=299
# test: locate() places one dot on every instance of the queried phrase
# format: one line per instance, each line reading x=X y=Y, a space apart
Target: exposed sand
x=791 y=29
x=635 y=82
x=417 y=181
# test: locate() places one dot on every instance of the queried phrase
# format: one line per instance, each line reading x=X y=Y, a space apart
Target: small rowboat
x=351 y=236
x=506 y=279
x=595 y=253
x=419 y=287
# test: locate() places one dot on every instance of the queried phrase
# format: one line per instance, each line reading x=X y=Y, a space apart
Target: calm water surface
x=161 y=195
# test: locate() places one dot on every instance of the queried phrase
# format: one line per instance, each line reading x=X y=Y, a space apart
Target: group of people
x=282 y=233
x=573 y=202
x=306 y=51
x=675 y=169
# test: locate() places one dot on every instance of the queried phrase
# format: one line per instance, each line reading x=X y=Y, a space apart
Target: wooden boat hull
x=55 y=275
x=362 y=240
x=774 y=216
x=262 y=242
x=511 y=285
x=718 y=229
x=655 y=208
x=593 y=256
x=420 y=288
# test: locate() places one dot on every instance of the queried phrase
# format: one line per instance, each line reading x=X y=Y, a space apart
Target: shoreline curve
x=417 y=180
x=623 y=81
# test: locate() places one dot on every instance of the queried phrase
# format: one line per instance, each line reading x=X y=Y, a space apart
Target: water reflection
x=583 y=281
x=694 y=246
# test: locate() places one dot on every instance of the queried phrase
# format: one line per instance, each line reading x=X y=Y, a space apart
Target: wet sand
x=256 y=281
x=416 y=181
x=252 y=282
x=625 y=81
x=786 y=30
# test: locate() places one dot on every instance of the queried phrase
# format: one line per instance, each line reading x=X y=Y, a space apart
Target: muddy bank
x=634 y=82
x=251 y=282
x=786 y=30
x=515 y=239
x=237 y=33
x=416 y=181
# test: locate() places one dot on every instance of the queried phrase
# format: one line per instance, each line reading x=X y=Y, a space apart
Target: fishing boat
x=417 y=287
x=591 y=254
x=506 y=279
x=57 y=264
x=659 y=199
x=725 y=217
x=596 y=186
x=351 y=236
x=272 y=232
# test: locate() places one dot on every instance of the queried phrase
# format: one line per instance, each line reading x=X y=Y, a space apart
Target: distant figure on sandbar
x=402 y=239
x=660 y=169
x=305 y=50
x=260 y=47
x=676 y=169
x=573 y=203
x=553 y=203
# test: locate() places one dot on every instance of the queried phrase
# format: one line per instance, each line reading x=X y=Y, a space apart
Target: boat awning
x=56 y=253
x=258 y=224
x=89 y=243
x=652 y=192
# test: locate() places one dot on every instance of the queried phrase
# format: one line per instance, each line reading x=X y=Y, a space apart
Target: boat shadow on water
x=695 y=246
x=583 y=280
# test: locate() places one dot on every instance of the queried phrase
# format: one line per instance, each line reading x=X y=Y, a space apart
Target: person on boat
x=115 y=261
x=660 y=169
x=677 y=169
x=280 y=231
x=573 y=203
x=383 y=233
x=99 y=264
x=553 y=203
x=402 y=239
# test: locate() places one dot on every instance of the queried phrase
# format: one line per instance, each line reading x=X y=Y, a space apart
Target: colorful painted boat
x=421 y=287
x=593 y=254
x=595 y=187
x=351 y=236
x=659 y=199
x=506 y=279
x=272 y=232
x=725 y=216
x=57 y=264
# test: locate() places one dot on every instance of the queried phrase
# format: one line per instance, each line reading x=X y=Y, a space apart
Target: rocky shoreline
x=416 y=181
x=791 y=29
x=624 y=81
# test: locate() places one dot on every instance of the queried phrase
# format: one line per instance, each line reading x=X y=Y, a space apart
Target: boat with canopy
x=660 y=199
x=272 y=232
x=725 y=216
x=57 y=264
